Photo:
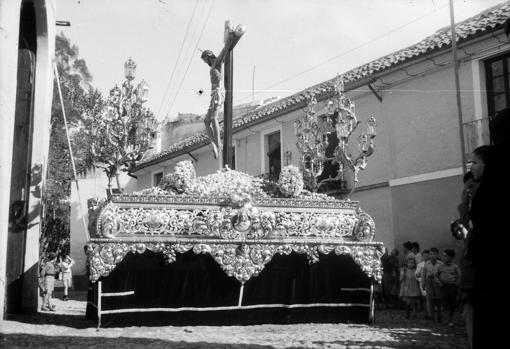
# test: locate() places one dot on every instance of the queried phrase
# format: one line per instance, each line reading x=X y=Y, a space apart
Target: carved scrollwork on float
x=155 y=222
x=108 y=223
x=240 y=234
x=239 y=261
x=368 y=259
x=104 y=257
x=242 y=261
x=263 y=225
x=365 y=228
x=232 y=224
x=217 y=201
x=294 y=224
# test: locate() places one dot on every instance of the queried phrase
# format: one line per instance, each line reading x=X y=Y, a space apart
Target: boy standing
x=449 y=276
x=48 y=274
x=432 y=284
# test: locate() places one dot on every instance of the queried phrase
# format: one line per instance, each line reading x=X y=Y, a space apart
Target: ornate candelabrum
x=311 y=143
x=124 y=132
x=312 y=132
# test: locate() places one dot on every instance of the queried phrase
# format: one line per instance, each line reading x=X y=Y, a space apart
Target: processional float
x=243 y=222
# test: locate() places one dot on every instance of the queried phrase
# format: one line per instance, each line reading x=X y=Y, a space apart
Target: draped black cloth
x=488 y=248
x=198 y=281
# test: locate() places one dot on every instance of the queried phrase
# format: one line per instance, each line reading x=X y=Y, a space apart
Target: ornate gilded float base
x=212 y=218
x=242 y=260
x=241 y=234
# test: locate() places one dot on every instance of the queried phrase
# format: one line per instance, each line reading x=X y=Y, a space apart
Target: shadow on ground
x=40 y=341
x=72 y=321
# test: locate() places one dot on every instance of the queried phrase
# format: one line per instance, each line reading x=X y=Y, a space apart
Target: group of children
x=51 y=269
x=422 y=276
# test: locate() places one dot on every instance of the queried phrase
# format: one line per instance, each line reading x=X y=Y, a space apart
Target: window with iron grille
x=497 y=72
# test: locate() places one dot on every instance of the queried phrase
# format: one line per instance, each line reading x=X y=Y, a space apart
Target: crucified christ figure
x=216 y=63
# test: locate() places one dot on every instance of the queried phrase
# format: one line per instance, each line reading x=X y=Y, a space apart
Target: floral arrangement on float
x=227 y=183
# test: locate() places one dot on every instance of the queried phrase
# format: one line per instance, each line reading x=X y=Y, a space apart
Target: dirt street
x=68 y=328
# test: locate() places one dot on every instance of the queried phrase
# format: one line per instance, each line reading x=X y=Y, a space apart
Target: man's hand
x=458 y=230
x=240 y=30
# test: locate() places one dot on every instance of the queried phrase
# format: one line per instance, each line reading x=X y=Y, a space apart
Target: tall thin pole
x=227 y=114
x=457 y=87
x=57 y=78
x=253 y=84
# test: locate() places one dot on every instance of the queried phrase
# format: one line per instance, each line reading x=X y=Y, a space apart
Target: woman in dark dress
x=462 y=229
x=389 y=263
x=489 y=210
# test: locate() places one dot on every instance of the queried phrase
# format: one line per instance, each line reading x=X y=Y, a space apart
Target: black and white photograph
x=266 y=174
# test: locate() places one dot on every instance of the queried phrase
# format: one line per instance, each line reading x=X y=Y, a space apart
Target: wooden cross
x=231 y=37
x=229 y=88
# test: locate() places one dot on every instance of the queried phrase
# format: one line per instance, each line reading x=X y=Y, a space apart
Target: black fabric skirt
x=288 y=290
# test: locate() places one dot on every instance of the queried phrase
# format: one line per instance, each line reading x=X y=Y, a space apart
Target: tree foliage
x=97 y=139
x=82 y=103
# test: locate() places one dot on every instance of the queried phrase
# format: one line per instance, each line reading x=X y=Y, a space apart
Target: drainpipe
x=457 y=88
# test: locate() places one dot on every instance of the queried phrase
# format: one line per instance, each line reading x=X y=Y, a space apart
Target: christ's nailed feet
x=214 y=149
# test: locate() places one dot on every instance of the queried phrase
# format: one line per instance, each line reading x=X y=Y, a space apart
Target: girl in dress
x=410 y=287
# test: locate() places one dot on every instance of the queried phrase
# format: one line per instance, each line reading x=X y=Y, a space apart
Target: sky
x=288 y=45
